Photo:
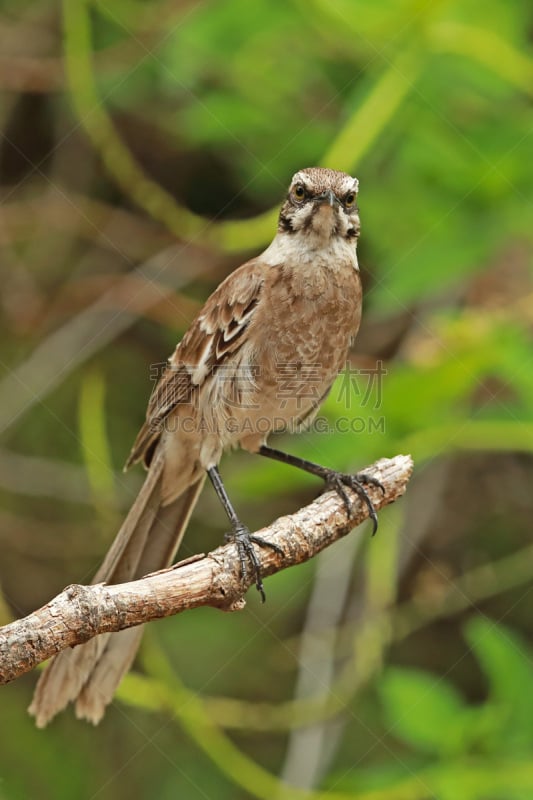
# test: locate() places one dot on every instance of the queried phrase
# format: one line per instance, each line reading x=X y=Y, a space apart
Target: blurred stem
x=471 y=588
x=5 y=614
x=95 y=446
x=356 y=137
x=369 y=120
x=359 y=133
x=382 y=562
x=469 y=434
x=488 y=49
x=164 y=692
x=137 y=16
x=133 y=13
x=192 y=715
x=368 y=646
x=311 y=748
x=114 y=152
x=234 y=236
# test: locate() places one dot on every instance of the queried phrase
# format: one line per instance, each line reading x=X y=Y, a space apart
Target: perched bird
x=260 y=357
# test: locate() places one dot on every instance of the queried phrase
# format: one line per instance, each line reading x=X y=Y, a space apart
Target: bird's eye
x=298 y=192
x=349 y=200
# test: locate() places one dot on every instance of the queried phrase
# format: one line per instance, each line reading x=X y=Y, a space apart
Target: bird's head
x=323 y=204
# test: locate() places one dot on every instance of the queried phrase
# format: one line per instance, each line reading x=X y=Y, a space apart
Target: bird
x=259 y=358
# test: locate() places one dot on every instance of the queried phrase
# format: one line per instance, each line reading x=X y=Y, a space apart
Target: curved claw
x=338 y=480
x=364 y=477
x=244 y=542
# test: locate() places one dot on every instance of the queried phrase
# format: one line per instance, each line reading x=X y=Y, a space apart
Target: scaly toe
x=364 y=477
x=338 y=480
x=246 y=552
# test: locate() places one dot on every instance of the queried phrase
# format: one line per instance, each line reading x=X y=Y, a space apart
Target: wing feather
x=214 y=336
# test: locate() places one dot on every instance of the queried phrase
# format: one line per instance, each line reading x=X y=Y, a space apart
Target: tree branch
x=80 y=612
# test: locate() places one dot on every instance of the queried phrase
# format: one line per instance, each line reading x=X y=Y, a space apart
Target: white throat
x=306 y=247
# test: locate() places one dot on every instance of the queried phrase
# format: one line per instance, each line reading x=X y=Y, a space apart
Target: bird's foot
x=244 y=541
x=340 y=480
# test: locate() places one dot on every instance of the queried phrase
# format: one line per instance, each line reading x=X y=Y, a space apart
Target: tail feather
x=167 y=530
x=112 y=664
x=123 y=556
x=147 y=541
x=106 y=673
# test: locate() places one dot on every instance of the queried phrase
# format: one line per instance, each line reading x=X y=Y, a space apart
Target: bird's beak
x=328 y=197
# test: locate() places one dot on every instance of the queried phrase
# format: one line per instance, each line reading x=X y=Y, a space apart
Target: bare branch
x=80 y=612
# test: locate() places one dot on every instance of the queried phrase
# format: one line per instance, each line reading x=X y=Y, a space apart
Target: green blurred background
x=144 y=149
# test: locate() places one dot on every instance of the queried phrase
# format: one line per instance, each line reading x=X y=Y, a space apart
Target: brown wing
x=214 y=335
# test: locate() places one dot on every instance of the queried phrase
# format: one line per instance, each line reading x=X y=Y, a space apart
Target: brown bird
x=260 y=357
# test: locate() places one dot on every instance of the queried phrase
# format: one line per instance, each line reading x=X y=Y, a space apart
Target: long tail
x=147 y=541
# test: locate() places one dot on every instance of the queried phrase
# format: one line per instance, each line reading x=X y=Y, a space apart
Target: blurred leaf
x=507 y=661
x=95 y=448
x=423 y=710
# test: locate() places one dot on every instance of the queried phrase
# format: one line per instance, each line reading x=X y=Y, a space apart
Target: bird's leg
x=334 y=480
x=244 y=540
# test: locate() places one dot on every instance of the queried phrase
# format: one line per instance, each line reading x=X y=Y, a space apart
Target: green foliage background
x=131 y=129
